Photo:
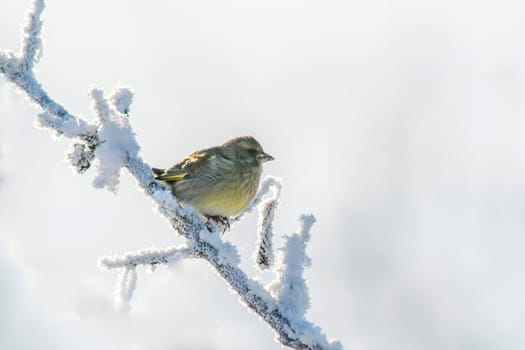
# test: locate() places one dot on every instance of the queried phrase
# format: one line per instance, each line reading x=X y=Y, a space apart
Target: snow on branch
x=127 y=264
x=125 y=287
x=290 y=287
x=145 y=257
x=31 y=47
x=18 y=68
x=263 y=255
x=117 y=140
x=108 y=141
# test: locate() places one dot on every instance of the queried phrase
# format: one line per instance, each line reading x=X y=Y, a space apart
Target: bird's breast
x=226 y=194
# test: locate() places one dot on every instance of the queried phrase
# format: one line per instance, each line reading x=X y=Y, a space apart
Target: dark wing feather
x=189 y=166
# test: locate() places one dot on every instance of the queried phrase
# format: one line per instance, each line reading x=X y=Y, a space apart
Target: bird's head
x=245 y=148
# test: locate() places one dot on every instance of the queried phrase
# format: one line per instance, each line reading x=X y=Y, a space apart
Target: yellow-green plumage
x=218 y=181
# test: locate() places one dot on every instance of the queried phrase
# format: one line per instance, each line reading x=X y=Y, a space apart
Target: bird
x=220 y=181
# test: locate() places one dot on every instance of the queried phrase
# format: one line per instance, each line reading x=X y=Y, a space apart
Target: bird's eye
x=253 y=151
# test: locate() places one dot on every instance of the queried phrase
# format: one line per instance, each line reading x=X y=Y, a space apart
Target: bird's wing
x=188 y=166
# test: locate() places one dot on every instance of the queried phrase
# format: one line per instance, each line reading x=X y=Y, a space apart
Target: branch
x=127 y=264
x=289 y=286
x=108 y=141
x=263 y=255
x=145 y=257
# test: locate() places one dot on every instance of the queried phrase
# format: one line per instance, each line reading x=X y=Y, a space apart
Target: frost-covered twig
x=264 y=246
x=125 y=287
x=268 y=184
x=18 y=68
x=108 y=141
x=146 y=257
x=127 y=264
x=289 y=286
x=263 y=255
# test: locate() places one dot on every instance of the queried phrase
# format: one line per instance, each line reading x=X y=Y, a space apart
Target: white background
x=400 y=125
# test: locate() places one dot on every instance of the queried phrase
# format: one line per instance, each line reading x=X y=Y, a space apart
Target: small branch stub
x=264 y=251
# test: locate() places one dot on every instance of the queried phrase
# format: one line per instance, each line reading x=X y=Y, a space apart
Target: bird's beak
x=264 y=157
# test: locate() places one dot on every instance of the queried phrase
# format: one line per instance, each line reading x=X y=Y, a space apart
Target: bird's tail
x=157 y=172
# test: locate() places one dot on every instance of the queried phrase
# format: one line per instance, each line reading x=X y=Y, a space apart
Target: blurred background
x=398 y=124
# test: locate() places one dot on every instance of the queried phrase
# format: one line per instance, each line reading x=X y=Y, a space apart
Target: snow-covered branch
x=263 y=255
x=127 y=264
x=290 y=286
x=145 y=257
x=107 y=140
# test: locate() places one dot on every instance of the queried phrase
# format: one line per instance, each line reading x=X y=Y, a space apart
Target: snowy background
x=398 y=124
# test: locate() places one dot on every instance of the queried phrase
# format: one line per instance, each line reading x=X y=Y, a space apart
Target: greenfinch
x=218 y=181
